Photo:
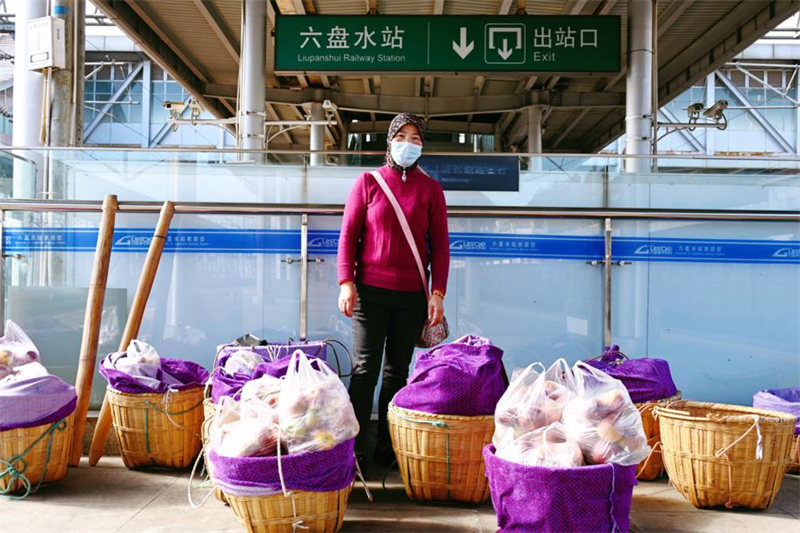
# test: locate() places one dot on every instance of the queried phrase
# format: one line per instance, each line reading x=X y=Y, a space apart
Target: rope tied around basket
x=169 y=414
x=723 y=452
x=18 y=474
x=298 y=523
x=438 y=424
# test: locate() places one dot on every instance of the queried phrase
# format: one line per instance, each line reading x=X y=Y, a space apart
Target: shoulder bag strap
x=401 y=217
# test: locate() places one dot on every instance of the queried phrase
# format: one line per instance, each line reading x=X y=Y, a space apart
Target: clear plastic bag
x=244 y=429
x=242 y=361
x=546 y=446
x=16 y=349
x=315 y=409
x=533 y=400
x=603 y=420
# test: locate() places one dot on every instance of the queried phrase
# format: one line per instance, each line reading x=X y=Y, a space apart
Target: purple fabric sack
x=538 y=498
x=647 y=379
x=175 y=374
x=465 y=377
x=276 y=362
x=326 y=471
x=35 y=402
x=784 y=400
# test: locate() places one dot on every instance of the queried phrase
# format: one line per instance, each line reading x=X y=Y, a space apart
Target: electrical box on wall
x=47 y=44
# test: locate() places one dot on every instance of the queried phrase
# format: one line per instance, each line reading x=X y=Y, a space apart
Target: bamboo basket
x=653 y=466
x=37 y=467
x=710 y=452
x=209 y=411
x=321 y=512
x=440 y=456
x=158 y=429
x=794 y=461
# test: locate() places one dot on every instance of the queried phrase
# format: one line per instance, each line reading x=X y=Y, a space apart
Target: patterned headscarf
x=398 y=122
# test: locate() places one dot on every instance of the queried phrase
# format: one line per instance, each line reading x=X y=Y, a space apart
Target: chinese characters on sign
x=448 y=43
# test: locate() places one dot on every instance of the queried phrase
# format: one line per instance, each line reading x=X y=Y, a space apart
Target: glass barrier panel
x=219 y=278
x=719 y=300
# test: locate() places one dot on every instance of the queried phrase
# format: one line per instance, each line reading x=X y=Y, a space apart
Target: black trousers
x=390 y=319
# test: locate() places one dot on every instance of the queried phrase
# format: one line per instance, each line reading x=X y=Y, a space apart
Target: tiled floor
x=110 y=498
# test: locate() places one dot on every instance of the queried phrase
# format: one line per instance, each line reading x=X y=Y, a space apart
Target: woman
x=380 y=284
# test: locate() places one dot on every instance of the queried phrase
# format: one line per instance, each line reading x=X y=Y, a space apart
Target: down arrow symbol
x=463 y=49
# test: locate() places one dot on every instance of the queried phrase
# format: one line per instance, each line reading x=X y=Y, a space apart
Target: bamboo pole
x=91 y=324
x=134 y=321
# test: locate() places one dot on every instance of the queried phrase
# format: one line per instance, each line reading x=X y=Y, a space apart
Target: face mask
x=405 y=154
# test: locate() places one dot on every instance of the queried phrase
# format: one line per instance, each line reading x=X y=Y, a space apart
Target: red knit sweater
x=372 y=247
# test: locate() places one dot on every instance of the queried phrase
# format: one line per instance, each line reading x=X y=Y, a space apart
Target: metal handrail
x=212 y=208
x=134 y=150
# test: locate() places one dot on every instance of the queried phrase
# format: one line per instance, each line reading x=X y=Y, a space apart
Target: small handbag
x=431 y=335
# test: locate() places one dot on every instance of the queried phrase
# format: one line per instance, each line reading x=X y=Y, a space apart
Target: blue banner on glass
x=325 y=242
x=473 y=173
x=706 y=250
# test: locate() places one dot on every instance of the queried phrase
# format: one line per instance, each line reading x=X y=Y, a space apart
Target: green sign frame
x=553 y=44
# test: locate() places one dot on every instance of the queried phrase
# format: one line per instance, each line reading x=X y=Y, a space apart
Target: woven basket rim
x=111 y=389
x=423 y=414
x=280 y=495
x=672 y=411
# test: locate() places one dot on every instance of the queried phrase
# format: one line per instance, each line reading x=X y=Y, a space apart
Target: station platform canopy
x=198 y=43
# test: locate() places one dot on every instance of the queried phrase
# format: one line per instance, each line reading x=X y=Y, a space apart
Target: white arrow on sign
x=463 y=49
x=505 y=51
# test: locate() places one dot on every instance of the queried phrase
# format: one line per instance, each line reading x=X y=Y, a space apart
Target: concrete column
x=61 y=81
x=317 y=135
x=28 y=89
x=253 y=65
x=639 y=78
x=79 y=69
x=535 y=137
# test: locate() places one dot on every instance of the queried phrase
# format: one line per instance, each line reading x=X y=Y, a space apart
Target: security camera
x=173 y=107
x=695 y=109
x=715 y=111
x=196 y=108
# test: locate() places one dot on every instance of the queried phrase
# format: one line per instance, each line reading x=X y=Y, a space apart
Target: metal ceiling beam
x=504 y=7
x=218 y=26
x=756 y=114
x=102 y=113
x=149 y=41
x=734 y=32
x=570 y=127
x=441 y=126
x=483 y=103
x=727 y=37
x=144 y=13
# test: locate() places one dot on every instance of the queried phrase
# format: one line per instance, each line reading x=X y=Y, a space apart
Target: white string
x=614 y=526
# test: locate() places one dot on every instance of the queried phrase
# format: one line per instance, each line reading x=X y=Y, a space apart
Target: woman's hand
x=347 y=298
x=435 y=309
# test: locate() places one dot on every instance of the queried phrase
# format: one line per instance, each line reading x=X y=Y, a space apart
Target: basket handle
x=657 y=410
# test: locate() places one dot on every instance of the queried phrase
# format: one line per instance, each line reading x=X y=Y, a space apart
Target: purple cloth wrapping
x=784 y=400
x=36 y=401
x=538 y=498
x=276 y=362
x=175 y=374
x=647 y=379
x=326 y=471
x=465 y=377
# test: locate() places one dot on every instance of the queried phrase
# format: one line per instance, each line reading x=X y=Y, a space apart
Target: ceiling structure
x=198 y=43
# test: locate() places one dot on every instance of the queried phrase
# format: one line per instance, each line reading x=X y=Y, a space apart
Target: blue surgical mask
x=405 y=154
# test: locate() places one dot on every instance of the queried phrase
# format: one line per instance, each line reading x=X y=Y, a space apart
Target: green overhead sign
x=447 y=43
